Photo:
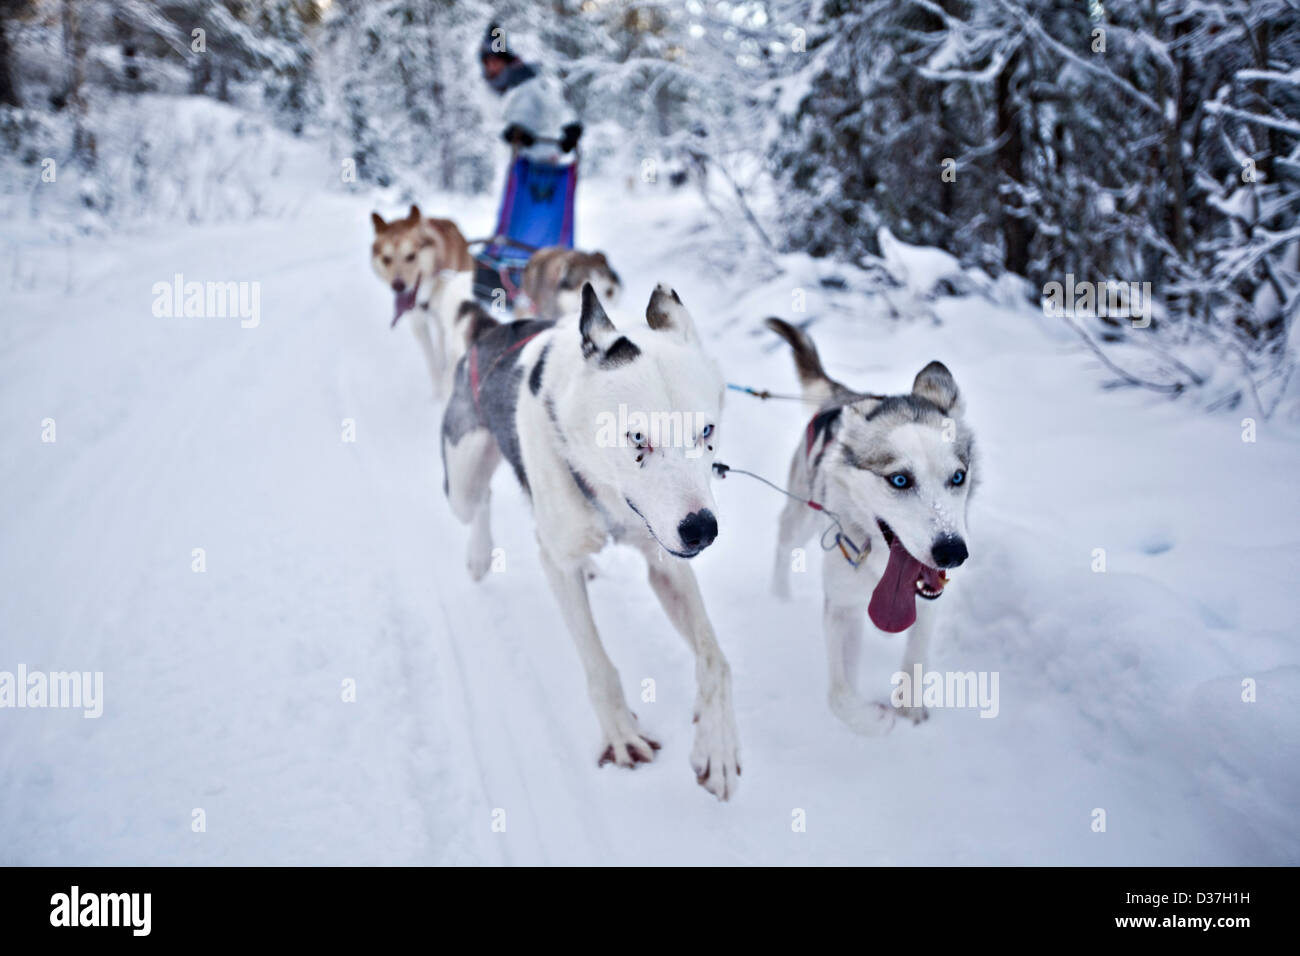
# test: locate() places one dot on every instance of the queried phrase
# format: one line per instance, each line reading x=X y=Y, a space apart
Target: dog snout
x=948 y=551
x=698 y=529
x=399 y=285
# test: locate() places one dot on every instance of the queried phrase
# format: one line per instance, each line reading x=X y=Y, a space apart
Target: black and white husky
x=578 y=408
x=898 y=471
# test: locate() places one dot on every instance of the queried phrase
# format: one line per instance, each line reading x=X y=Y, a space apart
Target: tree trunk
x=8 y=85
x=1015 y=230
x=1176 y=197
x=74 y=52
x=1276 y=146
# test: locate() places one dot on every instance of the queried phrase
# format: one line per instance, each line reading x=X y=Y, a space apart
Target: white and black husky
x=898 y=471
x=573 y=406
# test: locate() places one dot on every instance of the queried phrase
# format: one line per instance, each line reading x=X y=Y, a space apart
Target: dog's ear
x=608 y=269
x=666 y=313
x=600 y=340
x=414 y=214
x=936 y=384
x=597 y=330
x=378 y=221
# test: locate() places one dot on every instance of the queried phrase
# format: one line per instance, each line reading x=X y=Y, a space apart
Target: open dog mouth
x=893 y=602
x=403 y=302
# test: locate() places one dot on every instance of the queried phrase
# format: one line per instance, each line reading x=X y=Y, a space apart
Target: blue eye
x=900 y=480
x=707 y=431
x=958 y=477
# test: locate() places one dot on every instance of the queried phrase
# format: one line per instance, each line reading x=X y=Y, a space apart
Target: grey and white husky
x=549 y=398
x=898 y=471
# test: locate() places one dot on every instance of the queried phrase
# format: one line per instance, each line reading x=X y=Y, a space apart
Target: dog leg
x=479 y=553
x=432 y=354
x=843 y=626
x=716 y=754
x=796 y=524
x=622 y=741
x=470 y=465
x=446 y=365
x=918 y=648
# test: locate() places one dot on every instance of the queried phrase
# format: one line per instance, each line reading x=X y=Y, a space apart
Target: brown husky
x=554 y=277
x=426 y=262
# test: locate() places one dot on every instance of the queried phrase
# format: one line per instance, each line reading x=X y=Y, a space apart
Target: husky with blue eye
x=550 y=398
x=898 y=471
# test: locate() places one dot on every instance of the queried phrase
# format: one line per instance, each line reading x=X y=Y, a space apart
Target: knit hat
x=494 y=44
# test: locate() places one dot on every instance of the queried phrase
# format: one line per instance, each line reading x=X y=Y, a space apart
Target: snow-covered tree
x=406 y=97
x=1149 y=141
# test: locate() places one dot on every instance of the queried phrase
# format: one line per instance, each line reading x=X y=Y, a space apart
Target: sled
x=536 y=212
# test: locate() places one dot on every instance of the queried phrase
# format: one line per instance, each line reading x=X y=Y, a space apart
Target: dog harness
x=819 y=426
x=840 y=539
x=475 y=379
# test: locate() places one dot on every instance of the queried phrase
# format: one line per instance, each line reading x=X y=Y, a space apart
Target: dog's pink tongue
x=893 y=602
x=402 y=303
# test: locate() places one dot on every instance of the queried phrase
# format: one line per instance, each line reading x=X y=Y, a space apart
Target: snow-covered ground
x=329 y=561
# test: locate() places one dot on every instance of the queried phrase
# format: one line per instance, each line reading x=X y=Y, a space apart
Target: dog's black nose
x=698 y=529
x=398 y=285
x=949 y=551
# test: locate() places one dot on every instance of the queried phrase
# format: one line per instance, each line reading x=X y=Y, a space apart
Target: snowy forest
x=1135 y=141
x=1087 y=210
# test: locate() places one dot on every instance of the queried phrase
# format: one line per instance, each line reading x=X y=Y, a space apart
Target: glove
x=569 y=141
x=516 y=135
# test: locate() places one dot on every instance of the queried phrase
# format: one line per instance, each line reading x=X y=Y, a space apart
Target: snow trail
x=330 y=560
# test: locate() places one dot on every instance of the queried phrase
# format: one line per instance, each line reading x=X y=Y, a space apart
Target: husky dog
x=897 y=471
x=567 y=404
x=554 y=277
x=427 y=264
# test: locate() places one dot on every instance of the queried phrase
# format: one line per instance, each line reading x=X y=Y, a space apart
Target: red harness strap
x=511 y=289
x=473 y=373
x=474 y=378
x=819 y=424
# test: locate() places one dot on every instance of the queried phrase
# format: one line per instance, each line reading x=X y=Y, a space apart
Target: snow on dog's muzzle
x=893 y=602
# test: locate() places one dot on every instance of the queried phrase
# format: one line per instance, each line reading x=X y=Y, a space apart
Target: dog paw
x=863 y=717
x=627 y=746
x=479 y=561
x=715 y=758
x=915 y=714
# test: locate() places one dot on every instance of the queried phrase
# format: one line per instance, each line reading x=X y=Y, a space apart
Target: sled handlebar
x=501 y=241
